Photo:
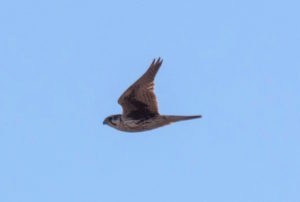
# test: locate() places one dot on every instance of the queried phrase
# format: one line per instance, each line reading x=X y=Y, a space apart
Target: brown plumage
x=140 y=108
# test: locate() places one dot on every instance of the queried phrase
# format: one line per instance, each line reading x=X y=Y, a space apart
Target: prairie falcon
x=140 y=109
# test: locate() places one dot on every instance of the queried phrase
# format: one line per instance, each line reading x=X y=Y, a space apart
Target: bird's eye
x=112 y=120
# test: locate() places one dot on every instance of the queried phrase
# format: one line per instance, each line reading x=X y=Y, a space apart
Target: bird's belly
x=131 y=125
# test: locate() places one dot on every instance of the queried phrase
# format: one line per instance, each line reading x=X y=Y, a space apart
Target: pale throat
x=116 y=121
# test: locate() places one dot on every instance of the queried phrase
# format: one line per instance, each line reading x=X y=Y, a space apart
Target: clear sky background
x=64 y=64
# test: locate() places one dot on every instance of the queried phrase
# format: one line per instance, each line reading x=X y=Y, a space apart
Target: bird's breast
x=136 y=125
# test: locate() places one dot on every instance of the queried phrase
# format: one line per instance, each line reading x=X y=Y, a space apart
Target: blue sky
x=65 y=63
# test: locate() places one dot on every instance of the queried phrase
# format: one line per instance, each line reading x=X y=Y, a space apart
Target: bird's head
x=113 y=120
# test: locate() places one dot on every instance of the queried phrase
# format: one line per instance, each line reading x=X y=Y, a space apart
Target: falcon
x=140 y=108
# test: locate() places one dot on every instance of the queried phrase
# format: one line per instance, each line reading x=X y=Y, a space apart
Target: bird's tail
x=181 y=118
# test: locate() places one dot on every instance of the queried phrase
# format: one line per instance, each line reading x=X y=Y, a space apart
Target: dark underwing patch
x=141 y=110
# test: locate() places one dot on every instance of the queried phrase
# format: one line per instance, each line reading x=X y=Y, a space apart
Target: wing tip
x=157 y=62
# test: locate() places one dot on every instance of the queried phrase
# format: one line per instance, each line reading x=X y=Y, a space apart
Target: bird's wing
x=139 y=100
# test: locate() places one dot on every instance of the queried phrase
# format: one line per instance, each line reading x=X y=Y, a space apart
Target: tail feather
x=182 y=118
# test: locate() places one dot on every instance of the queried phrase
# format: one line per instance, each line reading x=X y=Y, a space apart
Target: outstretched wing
x=139 y=100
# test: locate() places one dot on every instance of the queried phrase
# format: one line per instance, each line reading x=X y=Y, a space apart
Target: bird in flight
x=139 y=104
